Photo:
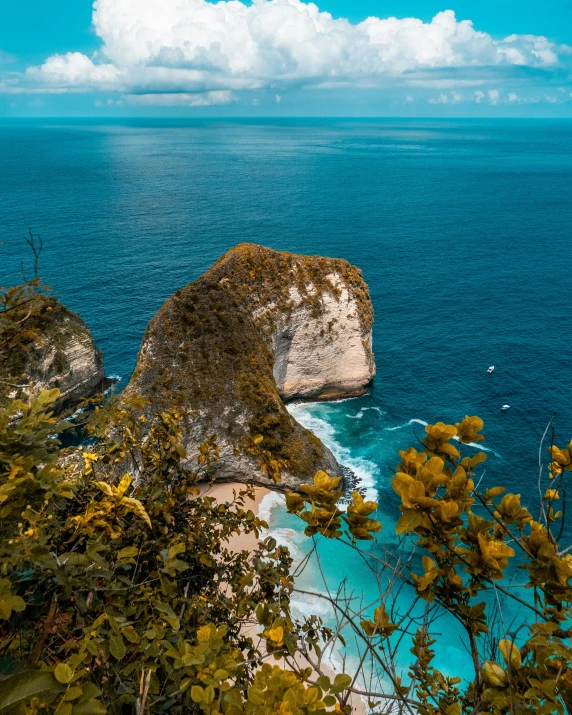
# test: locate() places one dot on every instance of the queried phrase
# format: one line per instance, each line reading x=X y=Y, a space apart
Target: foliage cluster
x=466 y=539
x=120 y=596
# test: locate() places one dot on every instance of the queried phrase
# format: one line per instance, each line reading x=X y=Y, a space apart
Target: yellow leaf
x=105 y=488
x=325 y=482
x=467 y=430
x=137 y=508
x=510 y=653
x=123 y=485
x=203 y=634
x=494 y=674
x=276 y=636
x=408 y=522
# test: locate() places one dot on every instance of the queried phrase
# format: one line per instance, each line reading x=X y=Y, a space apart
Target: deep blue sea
x=462 y=229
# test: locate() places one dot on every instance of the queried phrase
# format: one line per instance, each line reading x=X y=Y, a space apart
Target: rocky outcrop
x=258 y=328
x=61 y=353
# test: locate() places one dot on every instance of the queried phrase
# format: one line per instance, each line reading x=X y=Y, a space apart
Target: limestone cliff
x=257 y=328
x=60 y=353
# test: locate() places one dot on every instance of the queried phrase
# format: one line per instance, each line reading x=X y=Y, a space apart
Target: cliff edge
x=59 y=352
x=258 y=328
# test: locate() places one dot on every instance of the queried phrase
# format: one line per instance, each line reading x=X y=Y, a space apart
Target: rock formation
x=60 y=353
x=257 y=328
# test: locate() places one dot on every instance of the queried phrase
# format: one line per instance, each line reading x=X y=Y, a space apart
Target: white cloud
x=445 y=83
x=109 y=103
x=493 y=97
x=278 y=98
x=187 y=47
x=205 y=99
x=451 y=98
x=409 y=100
x=73 y=69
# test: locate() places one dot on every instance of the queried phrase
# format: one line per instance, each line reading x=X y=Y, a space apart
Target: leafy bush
x=466 y=539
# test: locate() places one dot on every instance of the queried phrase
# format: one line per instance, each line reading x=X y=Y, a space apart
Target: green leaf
x=176 y=549
x=131 y=634
x=64 y=708
x=63 y=673
x=255 y=695
x=234 y=697
x=173 y=621
x=89 y=707
x=197 y=693
x=9 y=604
x=341 y=682
x=128 y=552
x=209 y=694
x=117 y=647
x=21 y=687
x=73 y=693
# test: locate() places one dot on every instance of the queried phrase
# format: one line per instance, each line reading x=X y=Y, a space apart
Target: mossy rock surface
x=60 y=352
x=211 y=348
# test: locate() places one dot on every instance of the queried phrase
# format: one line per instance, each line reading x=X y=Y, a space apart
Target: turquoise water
x=462 y=229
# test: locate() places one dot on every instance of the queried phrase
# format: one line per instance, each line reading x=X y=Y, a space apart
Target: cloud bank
x=168 y=52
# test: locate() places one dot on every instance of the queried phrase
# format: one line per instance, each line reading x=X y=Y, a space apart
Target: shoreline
x=238 y=542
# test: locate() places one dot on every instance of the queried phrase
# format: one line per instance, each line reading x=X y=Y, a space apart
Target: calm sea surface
x=462 y=229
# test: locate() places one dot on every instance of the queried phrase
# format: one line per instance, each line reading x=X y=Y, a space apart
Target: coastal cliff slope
x=259 y=327
x=60 y=352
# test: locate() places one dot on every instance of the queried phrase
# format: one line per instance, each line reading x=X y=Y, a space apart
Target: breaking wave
x=365 y=471
x=475 y=445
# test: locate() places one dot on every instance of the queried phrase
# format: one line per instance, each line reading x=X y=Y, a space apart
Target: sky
x=442 y=58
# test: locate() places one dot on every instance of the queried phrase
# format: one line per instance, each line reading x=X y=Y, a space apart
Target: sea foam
x=365 y=470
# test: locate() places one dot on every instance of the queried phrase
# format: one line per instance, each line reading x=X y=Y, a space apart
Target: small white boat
x=504 y=408
x=491 y=368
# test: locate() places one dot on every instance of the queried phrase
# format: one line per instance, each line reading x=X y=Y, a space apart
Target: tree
x=22 y=309
x=466 y=539
x=119 y=592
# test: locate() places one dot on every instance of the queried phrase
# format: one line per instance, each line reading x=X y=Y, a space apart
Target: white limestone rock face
x=323 y=357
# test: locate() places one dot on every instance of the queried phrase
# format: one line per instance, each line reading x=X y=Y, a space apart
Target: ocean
x=462 y=229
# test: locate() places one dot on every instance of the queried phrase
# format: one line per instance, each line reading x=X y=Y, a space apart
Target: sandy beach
x=225 y=492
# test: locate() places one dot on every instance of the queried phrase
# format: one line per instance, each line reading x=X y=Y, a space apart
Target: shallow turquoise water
x=462 y=229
